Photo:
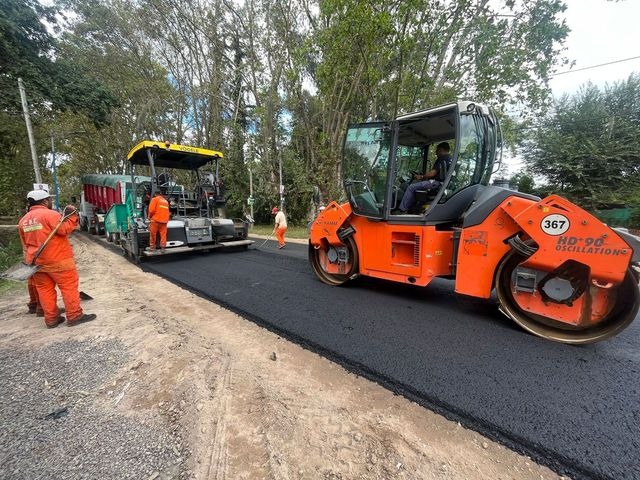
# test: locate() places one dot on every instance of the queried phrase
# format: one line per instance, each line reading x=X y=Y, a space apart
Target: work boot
x=281 y=246
x=87 y=317
x=55 y=322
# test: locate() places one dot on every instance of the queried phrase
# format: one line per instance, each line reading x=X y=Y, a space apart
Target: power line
x=595 y=66
x=563 y=124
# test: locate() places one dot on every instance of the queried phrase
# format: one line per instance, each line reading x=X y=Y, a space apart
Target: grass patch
x=10 y=253
x=292 y=231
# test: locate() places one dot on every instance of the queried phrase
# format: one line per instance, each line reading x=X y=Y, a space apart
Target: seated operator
x=430 y=180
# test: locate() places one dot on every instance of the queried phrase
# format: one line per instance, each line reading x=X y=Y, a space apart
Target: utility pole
x=54 y=165
x=251 y=190
x=56 y=199
x=27 y=120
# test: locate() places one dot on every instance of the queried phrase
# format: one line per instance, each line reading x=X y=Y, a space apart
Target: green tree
x=524 y=182
x=271 y=80
x=379 y=59
x=588 y=147
x=53 y=82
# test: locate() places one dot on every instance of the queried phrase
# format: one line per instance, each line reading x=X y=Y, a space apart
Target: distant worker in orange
x=159 y=215
x=280 y=226
x=57 y=267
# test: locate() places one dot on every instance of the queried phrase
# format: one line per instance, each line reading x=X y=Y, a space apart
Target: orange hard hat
x=274 y=210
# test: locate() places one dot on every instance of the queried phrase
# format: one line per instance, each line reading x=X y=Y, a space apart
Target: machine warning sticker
x=554 y=224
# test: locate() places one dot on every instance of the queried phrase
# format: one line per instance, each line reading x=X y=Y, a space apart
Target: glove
x=70 y=209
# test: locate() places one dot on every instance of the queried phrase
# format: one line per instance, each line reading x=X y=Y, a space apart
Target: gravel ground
x=60 y=417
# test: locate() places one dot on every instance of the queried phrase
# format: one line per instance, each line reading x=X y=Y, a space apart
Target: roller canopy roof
x=172 y=155
x=435 y=124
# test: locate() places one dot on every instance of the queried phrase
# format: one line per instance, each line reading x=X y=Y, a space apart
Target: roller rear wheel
x=623 y=301
x=328 y=268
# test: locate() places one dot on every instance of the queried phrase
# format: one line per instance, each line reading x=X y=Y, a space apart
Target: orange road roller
x=419 y=206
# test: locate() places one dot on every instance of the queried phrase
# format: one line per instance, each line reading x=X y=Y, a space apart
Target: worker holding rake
x=56 y=266
x=280 y=226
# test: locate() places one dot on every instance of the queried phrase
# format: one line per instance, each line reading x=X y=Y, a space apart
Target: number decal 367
x=555 y=224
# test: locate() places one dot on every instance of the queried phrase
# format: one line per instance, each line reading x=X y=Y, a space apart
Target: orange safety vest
x=159 y=209
x=35 y=227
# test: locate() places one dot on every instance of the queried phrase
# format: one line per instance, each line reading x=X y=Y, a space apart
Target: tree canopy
x=588 y=147
x=269 y=81
x=54 y=85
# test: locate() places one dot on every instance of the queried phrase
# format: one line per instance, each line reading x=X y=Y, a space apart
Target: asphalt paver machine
x=189 y=179
x=558 y=271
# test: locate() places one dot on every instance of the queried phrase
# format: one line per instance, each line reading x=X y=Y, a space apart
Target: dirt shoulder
x=214 y=396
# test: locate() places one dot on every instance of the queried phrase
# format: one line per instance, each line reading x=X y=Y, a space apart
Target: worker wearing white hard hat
x=34 y=302
x=38 y=195
x=57 y=267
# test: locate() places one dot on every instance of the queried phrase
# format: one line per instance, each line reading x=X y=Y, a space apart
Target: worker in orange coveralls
x=280 y=226
x=34 y=304
x=158 y=218
x=57 y=267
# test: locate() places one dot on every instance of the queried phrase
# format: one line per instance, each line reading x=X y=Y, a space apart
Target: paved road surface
x=577 y=409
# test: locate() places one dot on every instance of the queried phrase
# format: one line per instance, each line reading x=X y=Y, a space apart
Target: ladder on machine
x=182 y=202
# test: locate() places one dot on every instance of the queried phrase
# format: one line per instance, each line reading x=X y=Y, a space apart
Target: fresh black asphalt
x=576 y=409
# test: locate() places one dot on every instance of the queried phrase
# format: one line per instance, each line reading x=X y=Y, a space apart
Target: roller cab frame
x=198 y=219
x=557 y=270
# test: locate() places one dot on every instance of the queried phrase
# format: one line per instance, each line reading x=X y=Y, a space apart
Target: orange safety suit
x=57 y=267
x=280 y=235
x=34 y=304
x=159 y=217
x=280 y=228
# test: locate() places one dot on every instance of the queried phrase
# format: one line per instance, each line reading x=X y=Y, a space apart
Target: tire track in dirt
x=219 y=443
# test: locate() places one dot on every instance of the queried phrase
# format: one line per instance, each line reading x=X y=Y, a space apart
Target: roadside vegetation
x=587 y=149
x=10 y=253
x=293 y=231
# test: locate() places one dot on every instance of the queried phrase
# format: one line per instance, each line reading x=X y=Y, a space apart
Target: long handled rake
x=270 y=237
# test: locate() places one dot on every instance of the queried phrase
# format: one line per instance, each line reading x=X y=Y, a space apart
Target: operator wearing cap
x=280 y=226
x=57 y=267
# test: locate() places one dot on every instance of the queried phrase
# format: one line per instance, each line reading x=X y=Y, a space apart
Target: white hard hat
x=37 y=195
